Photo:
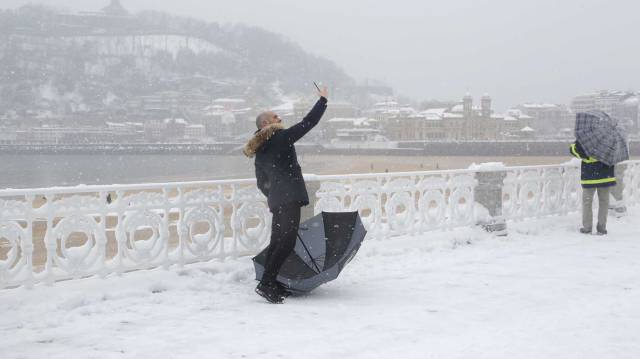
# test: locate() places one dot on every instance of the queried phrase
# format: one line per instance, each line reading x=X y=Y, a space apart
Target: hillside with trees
x=60 y=63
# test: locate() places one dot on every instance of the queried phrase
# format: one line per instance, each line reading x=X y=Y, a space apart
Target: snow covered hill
x=94 y=56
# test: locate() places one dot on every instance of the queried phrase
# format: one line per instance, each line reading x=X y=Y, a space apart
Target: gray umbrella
x=601 y=137
x=326 y=243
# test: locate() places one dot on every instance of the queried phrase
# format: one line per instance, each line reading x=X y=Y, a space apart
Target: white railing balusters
x=117 y=265
x=39 y=228
x=27 y=243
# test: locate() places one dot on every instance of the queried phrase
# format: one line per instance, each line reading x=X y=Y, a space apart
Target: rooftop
x=540 y=105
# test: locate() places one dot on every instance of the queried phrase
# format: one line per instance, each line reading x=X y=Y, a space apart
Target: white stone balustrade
x=53 y=234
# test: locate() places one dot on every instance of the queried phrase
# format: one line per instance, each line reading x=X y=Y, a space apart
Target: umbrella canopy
x=601 y=137
x=326 y=243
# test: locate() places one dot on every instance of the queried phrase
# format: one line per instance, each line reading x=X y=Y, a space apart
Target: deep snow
x=545 y=291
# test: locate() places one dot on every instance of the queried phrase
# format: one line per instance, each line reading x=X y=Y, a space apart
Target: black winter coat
x=278 y=173
x=593 y=173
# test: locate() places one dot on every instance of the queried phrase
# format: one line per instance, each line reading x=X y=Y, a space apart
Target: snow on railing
x=393 y=204
x=61 y=233
x=539 y=191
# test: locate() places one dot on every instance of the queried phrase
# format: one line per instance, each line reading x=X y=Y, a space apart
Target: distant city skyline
x=517 y=52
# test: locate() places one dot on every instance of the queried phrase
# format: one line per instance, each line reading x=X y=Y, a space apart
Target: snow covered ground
x=543 y=292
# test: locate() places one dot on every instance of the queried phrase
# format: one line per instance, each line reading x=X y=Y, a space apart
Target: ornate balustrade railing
x=63 y=233
x=530 y=192
x=393 y=204
x=60 y=233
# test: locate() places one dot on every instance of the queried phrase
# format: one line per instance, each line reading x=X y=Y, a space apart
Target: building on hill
x=622 y=105
x=115 y=9
x=459 y=122
x=340 y=109
x=168 y=103
x=463 y=121
x=605 y=100
x=174 y=128
x=468 y=122
x=195 y=132
x=113 y=16
x=511 y=122
x=343 y=127
x=228 y=120
x=548 y=119
x=230 y=104
x=397 y=122
x=385 y=110
x=629 y=113
x=527 y=133
x=412 y=127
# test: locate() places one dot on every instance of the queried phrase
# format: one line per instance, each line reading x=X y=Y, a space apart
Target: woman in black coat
x=279 y=178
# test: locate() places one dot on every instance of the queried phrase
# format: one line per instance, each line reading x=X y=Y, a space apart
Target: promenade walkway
x=545 y=291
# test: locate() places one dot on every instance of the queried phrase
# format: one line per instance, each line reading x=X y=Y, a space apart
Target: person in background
x=595 y=176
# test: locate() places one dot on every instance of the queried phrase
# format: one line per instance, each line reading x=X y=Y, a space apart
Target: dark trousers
x=284 y=231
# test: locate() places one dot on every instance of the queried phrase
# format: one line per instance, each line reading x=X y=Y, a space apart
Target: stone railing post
x=488 y=193
x=618 y=207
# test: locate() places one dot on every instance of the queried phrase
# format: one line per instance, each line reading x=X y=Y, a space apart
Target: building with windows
x=622 y=105
x=548 y=118
x=460 y=122
x=194 y=132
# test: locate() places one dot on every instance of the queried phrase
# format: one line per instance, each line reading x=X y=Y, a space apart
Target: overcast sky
x=517 y=51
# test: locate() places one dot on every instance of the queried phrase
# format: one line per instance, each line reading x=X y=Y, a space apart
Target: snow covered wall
x=53 y=234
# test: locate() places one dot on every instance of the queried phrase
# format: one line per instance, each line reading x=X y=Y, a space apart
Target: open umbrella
x=326 y=243
x=601 y=137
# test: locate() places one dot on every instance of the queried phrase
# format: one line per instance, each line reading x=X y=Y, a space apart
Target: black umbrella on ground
x=326 y=243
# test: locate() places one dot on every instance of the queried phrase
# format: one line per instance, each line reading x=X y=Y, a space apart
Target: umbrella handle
x=308 y=253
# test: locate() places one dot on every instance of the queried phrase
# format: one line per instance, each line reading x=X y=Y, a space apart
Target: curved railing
x=52 y=234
